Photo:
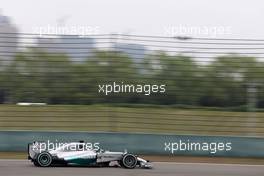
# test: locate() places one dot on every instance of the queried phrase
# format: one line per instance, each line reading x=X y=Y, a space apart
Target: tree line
x=37 y=76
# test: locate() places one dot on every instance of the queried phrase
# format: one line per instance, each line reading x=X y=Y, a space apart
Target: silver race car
x=76 y=154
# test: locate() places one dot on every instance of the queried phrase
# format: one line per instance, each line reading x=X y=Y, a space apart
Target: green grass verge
x=131 y=119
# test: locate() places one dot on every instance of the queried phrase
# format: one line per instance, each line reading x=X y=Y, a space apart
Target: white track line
x=217 y=164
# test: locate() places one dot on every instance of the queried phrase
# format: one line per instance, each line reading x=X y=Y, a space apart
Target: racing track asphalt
x=25 y=168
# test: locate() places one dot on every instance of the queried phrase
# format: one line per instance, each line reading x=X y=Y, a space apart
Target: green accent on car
x=82 y=161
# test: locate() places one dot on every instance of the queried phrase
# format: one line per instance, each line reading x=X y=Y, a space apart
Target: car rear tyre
x=44 y=159
x=129 y=161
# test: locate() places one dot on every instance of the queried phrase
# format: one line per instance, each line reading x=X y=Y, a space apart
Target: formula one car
x=75 y=154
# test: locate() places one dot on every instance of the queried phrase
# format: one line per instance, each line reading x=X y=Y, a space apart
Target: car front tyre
x=129 y=161
x=43 y=159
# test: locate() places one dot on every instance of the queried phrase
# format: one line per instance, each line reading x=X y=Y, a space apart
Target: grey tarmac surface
x=25 y=168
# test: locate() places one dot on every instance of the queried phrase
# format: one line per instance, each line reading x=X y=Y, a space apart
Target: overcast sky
x=242 y=18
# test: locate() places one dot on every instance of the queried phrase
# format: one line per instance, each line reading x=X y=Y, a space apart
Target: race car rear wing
x=34 y=149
